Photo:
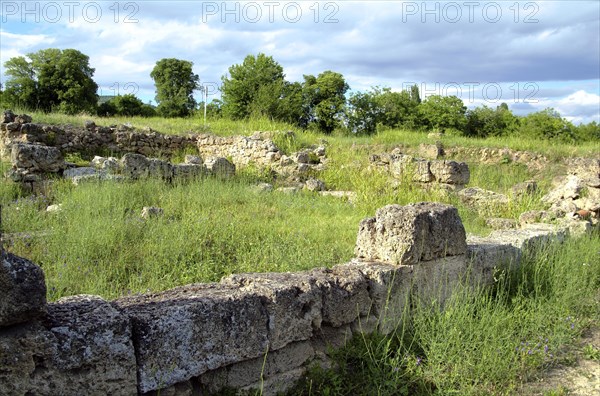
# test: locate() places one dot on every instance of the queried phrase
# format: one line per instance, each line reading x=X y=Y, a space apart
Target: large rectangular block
x=184 y=332
x=293 y=301
x=82 y=346
x=389 y=289
x=22 y=290
x=410 y=234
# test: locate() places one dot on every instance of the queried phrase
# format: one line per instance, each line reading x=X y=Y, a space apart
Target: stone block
x=81 y=347
x=410 y=234
x=249 y=373
x=22 y=290
x=389 y=291
x=293 y=302
x=450 y=172
x=37 y=158
x=184 y=332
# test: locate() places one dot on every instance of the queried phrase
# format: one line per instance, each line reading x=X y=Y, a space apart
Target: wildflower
x=418 y=361
x=545 y=348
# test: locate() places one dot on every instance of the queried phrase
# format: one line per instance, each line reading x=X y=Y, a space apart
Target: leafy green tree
x=107 y=109
x=52 y=79
x=484 y=121
x=290 y=107
x=324 y=100
x=443 y=112
x=253 y=87
x=363 y=113
x=547 y=124
x=382 y=107
x=126 y=105
x=175 y=84
x=588 y=132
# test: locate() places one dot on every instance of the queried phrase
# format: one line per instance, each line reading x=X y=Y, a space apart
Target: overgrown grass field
x=484 y=341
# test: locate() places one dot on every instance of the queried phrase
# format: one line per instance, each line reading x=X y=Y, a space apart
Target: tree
x=253 y=87
x=52 y=79
x=324 y=100
x=443 y=112
x=126 y=105
x=547 y=124
x=484 y=121
x=364 y=113
x=175 y=84
x=588 y=132
x=385 y=108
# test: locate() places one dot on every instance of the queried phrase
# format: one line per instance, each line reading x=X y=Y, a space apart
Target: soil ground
x=581 y=378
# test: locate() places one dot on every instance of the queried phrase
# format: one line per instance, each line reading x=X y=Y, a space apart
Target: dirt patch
x=580 y=379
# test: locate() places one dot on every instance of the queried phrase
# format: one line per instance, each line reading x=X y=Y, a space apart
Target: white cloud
x=370 y=43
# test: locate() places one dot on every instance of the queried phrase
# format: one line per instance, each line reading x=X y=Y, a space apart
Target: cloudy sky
x=531 y=55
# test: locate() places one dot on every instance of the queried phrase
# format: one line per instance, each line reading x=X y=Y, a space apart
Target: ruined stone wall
x=242 y=150
x=250 y=330
x=68 y=139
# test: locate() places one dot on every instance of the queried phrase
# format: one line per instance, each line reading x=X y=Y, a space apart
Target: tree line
x=62 y=80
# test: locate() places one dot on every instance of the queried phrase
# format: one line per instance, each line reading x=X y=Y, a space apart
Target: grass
x=485 y=342
x=214 y=228
x=98 y=244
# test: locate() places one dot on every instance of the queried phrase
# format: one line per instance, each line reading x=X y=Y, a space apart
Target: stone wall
x=446 y=172
x=90 y=139
x=249 y=331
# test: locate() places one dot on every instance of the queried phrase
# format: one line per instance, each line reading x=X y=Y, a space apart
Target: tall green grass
x=486 y=341
x=99 y=244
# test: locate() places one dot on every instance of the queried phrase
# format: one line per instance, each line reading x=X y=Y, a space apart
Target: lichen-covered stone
x=409 y=234
x=22 y=290
x=184 y=332
x=81 y=347
x=37 y=158
x=293 y=301
x=220 y=167
x=450 y=172
x=479 y=197
x=247 y=374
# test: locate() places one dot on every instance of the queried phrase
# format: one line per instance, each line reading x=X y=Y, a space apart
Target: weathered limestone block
x=345 y=294
x=247 y=374
x=71 y=173
x=389 y=290
x=184 y=332
x=435 y=280
x=37 y=158
x=293 y=301
x=189 y=171
x=419 y=168
x=486 y=254
x=479 y=197
x=450 y=172
x=531 y=236
x=22 y=290
x=8 y=116
x=83 y=346
x=584 y=167
x=160 y=169
x=409 y=234
x=137 y=166
x=497 y=223
x=431 y=151
x=193 y=159
x=220 y=167
x=314 y=185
